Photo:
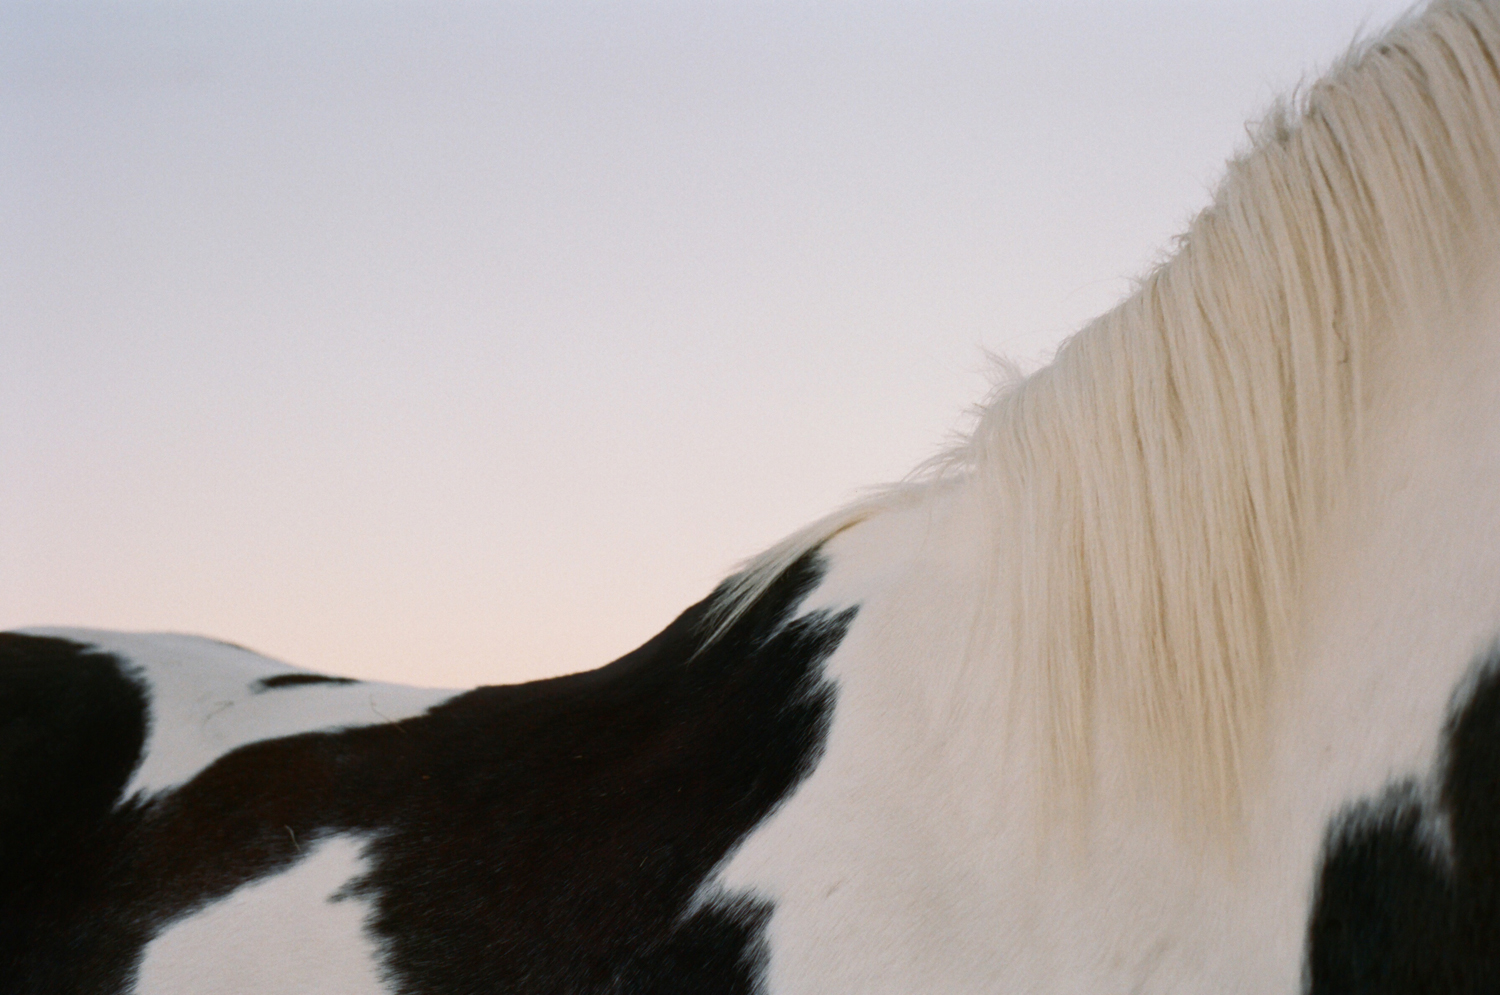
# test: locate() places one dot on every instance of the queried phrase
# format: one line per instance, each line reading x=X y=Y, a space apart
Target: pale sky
x=470 y=343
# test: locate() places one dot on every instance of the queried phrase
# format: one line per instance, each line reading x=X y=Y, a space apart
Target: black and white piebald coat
x=769 y=813
x=1180 y=676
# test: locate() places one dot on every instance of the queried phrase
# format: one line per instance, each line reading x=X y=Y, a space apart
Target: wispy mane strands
x=1155 y=488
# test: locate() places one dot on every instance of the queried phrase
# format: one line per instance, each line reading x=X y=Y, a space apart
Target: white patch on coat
x=299 y=932
x=205 y=700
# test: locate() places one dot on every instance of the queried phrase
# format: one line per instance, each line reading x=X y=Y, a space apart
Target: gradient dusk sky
x=468 y=343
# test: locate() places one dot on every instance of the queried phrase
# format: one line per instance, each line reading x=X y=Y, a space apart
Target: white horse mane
x=1151 y=494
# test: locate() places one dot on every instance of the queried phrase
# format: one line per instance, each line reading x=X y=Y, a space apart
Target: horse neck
x=1403 y=587
x=1396 y=571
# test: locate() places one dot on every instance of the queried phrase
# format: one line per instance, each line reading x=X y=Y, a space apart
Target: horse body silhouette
x=1179 y=675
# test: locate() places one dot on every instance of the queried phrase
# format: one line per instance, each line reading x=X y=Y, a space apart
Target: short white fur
x=298 y=932
x=202 y=701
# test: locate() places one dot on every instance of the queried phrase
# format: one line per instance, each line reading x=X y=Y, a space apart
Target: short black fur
x=296 y=680
x=545 y=837
x=1397 y=912
x=72 y=725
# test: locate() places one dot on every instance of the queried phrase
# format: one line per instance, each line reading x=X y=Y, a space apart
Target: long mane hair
x=1151 y=494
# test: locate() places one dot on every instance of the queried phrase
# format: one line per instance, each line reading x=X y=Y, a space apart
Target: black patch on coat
x=1397 y=911
x=294 y=680
x=71 y=729
x=546 y=837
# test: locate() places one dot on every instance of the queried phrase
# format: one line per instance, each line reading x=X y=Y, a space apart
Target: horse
x=1179 y=674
